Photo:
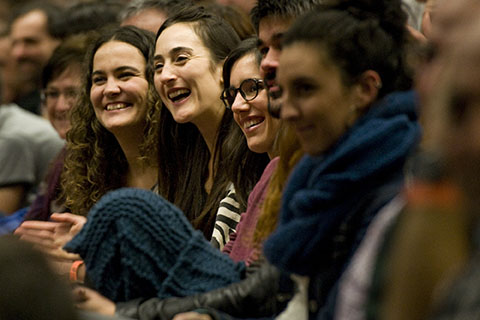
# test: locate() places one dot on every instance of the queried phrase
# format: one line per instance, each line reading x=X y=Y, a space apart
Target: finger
x=68 y=218
x=42 y=234
x=39 y=225
x=48 y=243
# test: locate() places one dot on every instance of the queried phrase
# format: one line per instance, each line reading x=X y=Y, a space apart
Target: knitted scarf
x=137 y=244
x=321 y=191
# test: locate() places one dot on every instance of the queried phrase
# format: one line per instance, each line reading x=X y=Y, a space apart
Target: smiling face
x=252 y=116
x=187 y=82
x=119 y=87
x=60 y=96
x=315 y=100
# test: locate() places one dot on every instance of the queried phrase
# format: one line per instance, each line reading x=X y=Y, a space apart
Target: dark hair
x=87 y=16
x=134 y=7
x=30 y=288
x=359 y=35
x=91 y=149
x=181 y=183
x=280 y=9
x=70 y=52
x=243 y=166
x=238 y=19
x=55 y=16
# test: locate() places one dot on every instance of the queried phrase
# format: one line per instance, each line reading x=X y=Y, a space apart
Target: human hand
x=192 y=316
x=90 y=300
x=43 y=235
x=69 y=226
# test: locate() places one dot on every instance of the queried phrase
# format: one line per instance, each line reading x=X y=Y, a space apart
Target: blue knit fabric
x=136 y=244
x=322 y=191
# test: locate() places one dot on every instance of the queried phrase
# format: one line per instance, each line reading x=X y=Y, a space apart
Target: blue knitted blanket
x=322 y=191
x=137 y=244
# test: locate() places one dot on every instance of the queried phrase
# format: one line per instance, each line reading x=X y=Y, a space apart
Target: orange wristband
x=74 y=270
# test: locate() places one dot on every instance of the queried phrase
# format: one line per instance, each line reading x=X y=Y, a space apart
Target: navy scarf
x=323 y=190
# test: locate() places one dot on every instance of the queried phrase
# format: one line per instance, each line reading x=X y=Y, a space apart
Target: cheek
x=236 y=117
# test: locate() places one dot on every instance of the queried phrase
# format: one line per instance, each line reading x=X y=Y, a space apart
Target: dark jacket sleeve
x=265 y=291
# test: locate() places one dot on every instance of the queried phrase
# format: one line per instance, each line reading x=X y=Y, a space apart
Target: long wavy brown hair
x=95 y=163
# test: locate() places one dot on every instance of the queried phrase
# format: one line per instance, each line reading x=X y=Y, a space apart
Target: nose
x=63 y=103
x=239 y=104
x=111 y=87
x=270 y=61
x=167 y=74
x=18 y=50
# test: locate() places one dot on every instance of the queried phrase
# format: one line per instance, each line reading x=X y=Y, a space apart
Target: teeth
x=173 y=95
x=116 y=106
x=251 y=123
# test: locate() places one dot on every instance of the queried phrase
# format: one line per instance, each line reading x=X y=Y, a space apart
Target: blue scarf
x=322 y=191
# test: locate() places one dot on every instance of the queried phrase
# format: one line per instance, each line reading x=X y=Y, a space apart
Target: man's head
x=150 y=14
x=34 y=35
x=271 y=18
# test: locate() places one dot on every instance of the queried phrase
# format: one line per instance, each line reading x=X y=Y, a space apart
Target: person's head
x=452 y=108
x=117 y=100
x=238 y=19
x=35 y=33
x=245 y=94
x=335 y=63
x=150 y=14
x=62 y=79
x=189 y=54
x=271 y=18
x=31 y=288
x=118 y=75
x=93 y=15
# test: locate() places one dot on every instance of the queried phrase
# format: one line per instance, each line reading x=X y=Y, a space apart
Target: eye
x=98 y=80
x=125 y=75
x=303 y=89
x=263 y=51
x=181 y=59
x=158 y=66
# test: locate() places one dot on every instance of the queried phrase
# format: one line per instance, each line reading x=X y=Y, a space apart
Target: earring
x=378 y=85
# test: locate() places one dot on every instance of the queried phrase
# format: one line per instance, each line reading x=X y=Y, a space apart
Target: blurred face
x=188 y=84
x=32 y=45
x=61 y=95
x=270 y=34
x=148 y=19
x=119 y=87
x=315 y=101
x=252 y=116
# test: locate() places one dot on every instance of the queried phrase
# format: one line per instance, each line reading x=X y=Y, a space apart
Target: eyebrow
x=119 y=69
x=174 y=51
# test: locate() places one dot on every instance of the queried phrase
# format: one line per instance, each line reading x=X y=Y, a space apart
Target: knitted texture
x=322 y=191
x=137 y=244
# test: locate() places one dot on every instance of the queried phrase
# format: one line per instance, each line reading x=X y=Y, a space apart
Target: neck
x=209 y=130
x=140 y=174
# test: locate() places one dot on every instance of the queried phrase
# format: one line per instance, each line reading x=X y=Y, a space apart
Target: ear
x=368 y=87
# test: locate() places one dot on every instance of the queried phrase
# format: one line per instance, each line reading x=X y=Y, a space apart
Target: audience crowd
x=222 y=160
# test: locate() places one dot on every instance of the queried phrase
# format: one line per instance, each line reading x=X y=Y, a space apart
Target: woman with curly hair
x=113 y=141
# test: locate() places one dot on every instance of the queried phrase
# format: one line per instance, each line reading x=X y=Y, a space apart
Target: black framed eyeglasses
x=248 y=89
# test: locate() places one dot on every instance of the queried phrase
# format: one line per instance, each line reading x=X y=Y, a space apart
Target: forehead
x=118 y=53
x=270 y=28
x=243 y=68
x=178 y=35
x=308 y=59
x=32 y=23
x=70 y=76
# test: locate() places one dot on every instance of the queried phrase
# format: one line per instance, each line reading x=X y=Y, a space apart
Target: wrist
x=77 y=271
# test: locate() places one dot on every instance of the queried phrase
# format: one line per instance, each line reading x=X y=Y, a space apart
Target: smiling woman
x=114 y=121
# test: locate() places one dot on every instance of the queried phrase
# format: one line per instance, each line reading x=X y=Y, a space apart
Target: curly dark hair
x=95 y=163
